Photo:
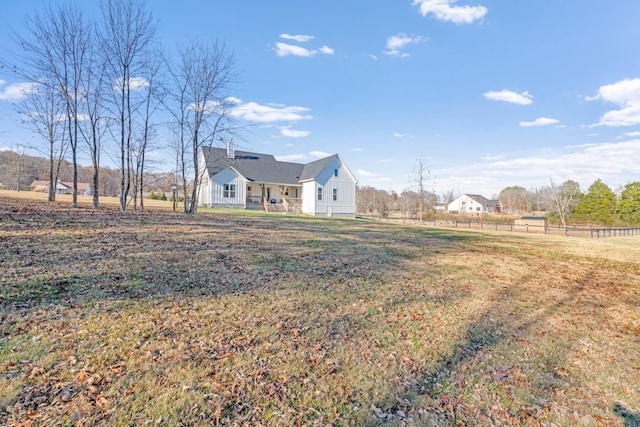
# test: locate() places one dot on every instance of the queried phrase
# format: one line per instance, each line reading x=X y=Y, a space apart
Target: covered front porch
x=274 y=197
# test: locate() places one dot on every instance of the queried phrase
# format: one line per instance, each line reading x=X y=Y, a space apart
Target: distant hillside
x=19 y=171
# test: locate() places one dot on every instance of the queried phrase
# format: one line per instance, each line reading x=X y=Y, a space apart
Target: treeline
x=564 y=203
x=18 y=171
x=370 y=200
x=101 y=84
x=567 y=203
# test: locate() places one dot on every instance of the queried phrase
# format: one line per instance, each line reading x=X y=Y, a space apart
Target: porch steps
x=276 y=207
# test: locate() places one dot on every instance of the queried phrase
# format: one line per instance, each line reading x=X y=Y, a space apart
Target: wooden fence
x=594 y=233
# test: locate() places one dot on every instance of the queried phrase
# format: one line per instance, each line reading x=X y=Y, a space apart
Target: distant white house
x=62 y=187
x=246 y=180
x=473 y=204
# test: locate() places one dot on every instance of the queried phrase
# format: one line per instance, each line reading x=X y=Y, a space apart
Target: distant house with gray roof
x=473 y=204
x=62 y=187
x=247 y=180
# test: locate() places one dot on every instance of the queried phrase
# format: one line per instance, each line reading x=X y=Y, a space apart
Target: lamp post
x=173 y=190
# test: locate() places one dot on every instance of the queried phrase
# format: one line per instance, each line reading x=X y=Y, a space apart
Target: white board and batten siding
x=337 y=183
x=217 y=193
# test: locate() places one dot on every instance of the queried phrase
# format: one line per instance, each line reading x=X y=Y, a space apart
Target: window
x=319 y=193
x=335 y=194
x=335 y=172
x=229 y=191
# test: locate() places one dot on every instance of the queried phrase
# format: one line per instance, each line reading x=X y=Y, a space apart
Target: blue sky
x=490 y=93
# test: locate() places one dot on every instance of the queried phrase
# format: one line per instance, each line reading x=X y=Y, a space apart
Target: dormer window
x=335 y=172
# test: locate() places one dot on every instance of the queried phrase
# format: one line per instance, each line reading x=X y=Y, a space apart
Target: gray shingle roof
x=483 y=200
x=258 y=167
x=311 y=170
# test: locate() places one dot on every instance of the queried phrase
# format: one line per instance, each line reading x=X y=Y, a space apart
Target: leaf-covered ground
x=252 y=319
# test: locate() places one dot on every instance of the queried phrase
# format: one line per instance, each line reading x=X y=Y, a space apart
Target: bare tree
x=563 y=199
x=448 y=196
x=93 y=127
x=43 y=111
x=128 y=36
x=421 y=176
x=200 y=106
x=53 y=53
x=514 y=199
x=147 y=132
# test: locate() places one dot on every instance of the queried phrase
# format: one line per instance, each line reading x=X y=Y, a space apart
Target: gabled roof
x=82 y=186
x=482 y=200
x=311 y=170
x=258 y=167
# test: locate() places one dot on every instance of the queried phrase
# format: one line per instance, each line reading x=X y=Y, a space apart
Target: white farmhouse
x=245 y=180
x=473 y=204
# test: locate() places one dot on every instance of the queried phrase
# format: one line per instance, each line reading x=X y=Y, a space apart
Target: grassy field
x=228 y=318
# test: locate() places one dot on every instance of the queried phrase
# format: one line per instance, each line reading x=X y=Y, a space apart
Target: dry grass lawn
x=227 y=318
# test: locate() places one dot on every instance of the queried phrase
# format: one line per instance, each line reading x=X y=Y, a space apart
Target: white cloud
x=291 y=158
x=541 y=121
x=614 y=163
x=381 y=180
x=396 y=43
x=285 y=49
x=326 y=50
x=358 y=149
x=269 y=113
x=16 y=91
x=292 y=133
x=445 y=10
x=300 y=38
x=365 y=173
x=319 y=154
x=400 y=135
x=135 y=83
x=492 y=158
x=505 y=95
x=636 y=133
x=625 y=94
x=302 y=157
x=375 y=58
x=208 y=107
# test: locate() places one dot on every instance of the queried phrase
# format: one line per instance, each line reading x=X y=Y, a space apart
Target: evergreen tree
x=598 y=206
x=629 y=205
